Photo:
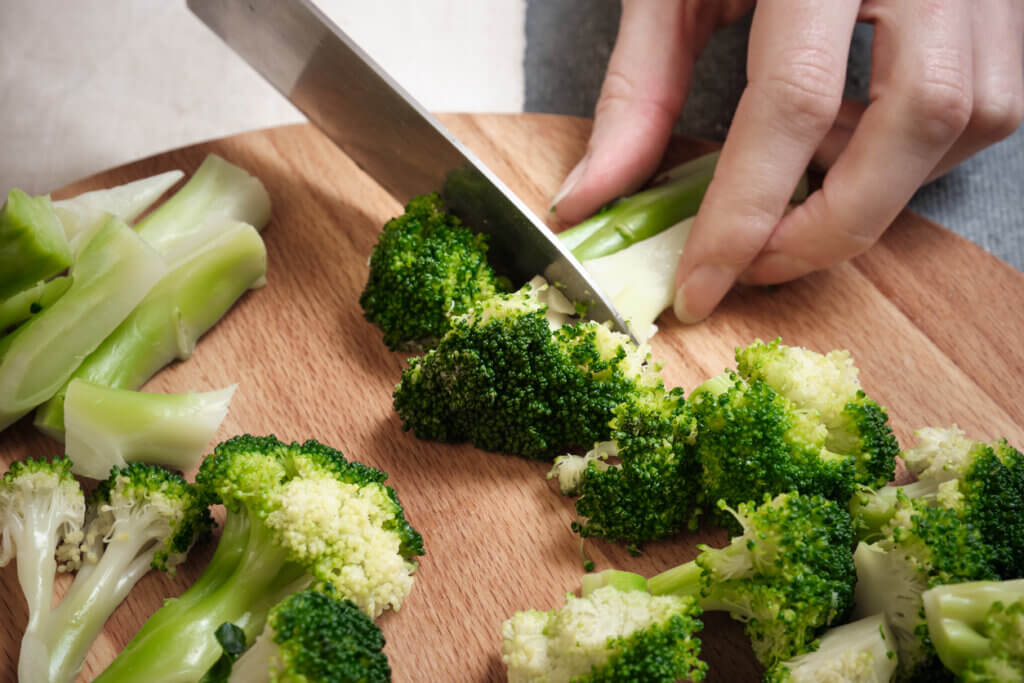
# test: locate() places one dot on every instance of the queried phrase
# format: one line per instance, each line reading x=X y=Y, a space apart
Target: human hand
x=947 y=80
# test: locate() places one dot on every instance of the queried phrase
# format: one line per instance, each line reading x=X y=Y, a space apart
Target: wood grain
x=933 y=322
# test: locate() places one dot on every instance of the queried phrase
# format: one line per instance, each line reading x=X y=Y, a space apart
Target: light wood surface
x=933 y=322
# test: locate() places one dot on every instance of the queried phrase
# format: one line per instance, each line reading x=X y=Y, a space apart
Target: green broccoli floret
x=140 y=517
x=862 y=651
x=315 y=636
x=789 y=576
x=922 y=546
x=828 y=385
x=752 y=442
x=296 y=514
x=651 y=490
x=978 y=629
x=42 y=512
x=616 y=632
x=503 y=379
x=425 y=268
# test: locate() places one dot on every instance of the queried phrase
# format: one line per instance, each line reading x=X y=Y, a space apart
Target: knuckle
x=997 y=115
x=621 y=90
x=807 y=92
x=940 y=102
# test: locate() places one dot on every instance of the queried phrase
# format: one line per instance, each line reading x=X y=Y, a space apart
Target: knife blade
x=342 y=91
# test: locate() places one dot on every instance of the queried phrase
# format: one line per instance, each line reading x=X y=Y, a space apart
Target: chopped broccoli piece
x=141 y=516
x=81 y=213
x=978 y=629
x=614 y=633
x=113 y=427
x=296 y=514
x=31 y=301
x=314 y=636
x=426 y=268
x=33 y=247
x=862 y=651
x=789 y=576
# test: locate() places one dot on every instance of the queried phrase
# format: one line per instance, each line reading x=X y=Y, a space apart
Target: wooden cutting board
x=933 y=322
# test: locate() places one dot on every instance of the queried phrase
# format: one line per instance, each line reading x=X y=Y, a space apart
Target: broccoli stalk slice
x=79 y=214
x=33 y=247
x=23 y=305
x=618 y=579
x=111 y=276
x=112 y=427
x=860 y=651
x=196 y=292
x=975 y=621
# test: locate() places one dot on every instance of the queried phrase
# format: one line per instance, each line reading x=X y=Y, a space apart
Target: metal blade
x=391 y=137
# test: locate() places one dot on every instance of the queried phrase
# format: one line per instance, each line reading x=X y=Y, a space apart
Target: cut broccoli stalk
x=33 y=247
x=25 y=304
x=640 y=279
x=217 y=190
x=113 y=427
x=113 y=273
x=978 y=628
x=862 y=651
x=79 y=214
x=195 y=293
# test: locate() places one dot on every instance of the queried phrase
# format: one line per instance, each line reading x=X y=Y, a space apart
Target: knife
x=392 y=137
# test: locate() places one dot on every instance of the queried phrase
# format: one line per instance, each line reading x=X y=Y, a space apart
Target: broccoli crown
x=752 y=442
x=322 y=639
x=828 y=385
x=425 y=268
x=608 y=635
x=652 y=490
x=857 y=652
x=334 y=517
x=153 y=502
x=504 y=380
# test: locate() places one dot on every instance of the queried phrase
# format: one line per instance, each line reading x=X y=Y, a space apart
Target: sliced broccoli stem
x=22 y=306
x=682 y=580
x=79 y=214
x=620 y=580
x=196 y=292
x=33 y=247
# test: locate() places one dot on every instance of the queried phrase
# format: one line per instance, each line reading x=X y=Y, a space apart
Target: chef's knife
x=390 y=136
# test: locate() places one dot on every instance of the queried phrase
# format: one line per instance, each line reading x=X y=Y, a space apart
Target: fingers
x=796 y=71
x=921 y=104
x=642 y=95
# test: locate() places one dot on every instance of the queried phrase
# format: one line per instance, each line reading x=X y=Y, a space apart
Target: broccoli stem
x=682 y=580
x=196 y=292
x=79 y=214
x=22 y=306
x=33 y=247
x=620 y=580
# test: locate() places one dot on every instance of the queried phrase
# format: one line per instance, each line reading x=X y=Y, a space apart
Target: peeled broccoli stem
x=80 y=213
x=33 y=247
x=22 y=306
x=194 y=294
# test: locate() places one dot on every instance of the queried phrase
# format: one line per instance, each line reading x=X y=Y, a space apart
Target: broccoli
x=652 y=490
x=141 y=516
x=921 y=546
x=296 y=514
x=789 y=576
x=80 y=214
x=858 y=652
x=112 y=427
x=616 y=632
x=314 y=636
x=23 y=305
x=978 y=629
x=33 y=247
x=503 y=379
x=426 y=268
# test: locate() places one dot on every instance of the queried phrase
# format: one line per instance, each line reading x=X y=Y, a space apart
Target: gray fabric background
x=568 y=43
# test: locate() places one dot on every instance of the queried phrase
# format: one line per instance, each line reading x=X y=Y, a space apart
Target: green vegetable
x=140 y=517
x=788 y=577
x=296 y=514
x=112 y=274
x=978 y=628
x=859 y=652
x=79 y=215
x=33 y=247
x=222 y=264
x=31 y=301
x=113 y=427
x=426 y=268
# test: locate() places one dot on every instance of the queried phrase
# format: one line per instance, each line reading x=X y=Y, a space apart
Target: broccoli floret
x=828 y=385
x=978 y=629
x=651 y=489
x=315 y=636
x=862 y=651
x=752 y=442
x=425 y=268
x=300 y=513
x=141 y=516
x=503 y=379
x=922 y=546
x=616 y=633
x=789 y=576
x=42 y=512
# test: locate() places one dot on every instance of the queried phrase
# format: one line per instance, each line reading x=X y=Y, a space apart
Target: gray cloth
x=568 y=43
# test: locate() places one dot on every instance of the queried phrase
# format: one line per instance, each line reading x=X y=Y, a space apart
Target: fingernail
x=570 y=182
x=701 y=292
